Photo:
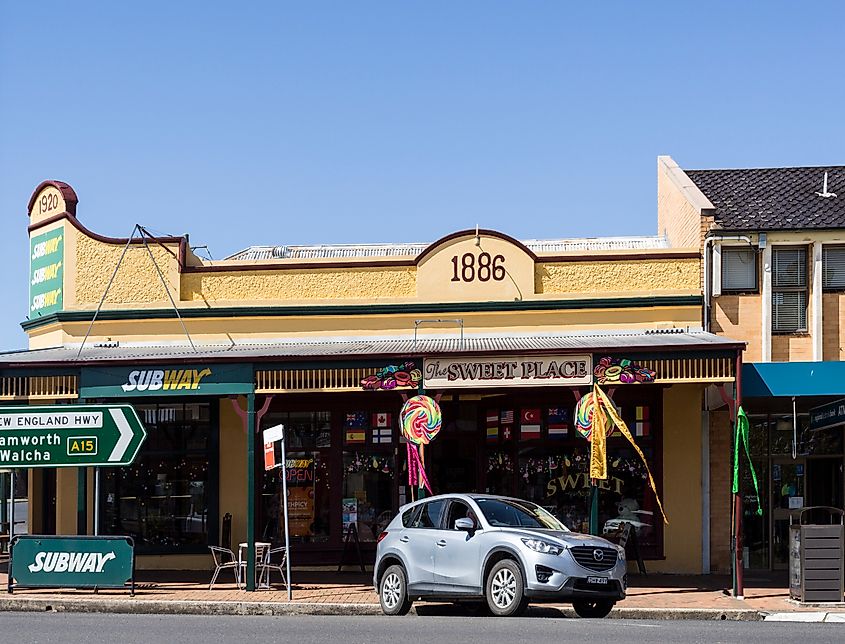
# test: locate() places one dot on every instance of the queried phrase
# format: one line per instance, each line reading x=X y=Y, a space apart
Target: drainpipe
x=708 y=269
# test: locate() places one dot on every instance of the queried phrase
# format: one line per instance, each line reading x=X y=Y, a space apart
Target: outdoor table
x=261 y=548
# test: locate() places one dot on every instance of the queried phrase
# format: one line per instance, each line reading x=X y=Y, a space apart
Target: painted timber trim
x=369 y=309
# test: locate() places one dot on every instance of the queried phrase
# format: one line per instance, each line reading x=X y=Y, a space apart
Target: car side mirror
x=465 y=524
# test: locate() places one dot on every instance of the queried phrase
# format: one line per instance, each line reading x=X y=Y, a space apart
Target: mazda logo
x=598 y=555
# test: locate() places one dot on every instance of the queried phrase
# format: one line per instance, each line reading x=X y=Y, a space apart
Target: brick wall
x=677 y=218
x=720 y=492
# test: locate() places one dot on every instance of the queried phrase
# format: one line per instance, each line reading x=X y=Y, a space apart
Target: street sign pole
x=12 y=509
x=96 y=501
x=285 y=507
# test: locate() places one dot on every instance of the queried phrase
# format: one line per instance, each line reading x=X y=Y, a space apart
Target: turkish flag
x=530 y=417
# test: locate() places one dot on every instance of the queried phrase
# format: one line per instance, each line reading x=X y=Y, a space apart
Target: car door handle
x=442 y=543
x=404 y=539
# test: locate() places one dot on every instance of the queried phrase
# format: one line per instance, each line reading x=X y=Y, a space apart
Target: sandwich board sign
x=69 y=436
x=72 y=562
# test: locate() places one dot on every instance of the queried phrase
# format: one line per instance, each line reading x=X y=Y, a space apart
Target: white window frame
x=780 y=291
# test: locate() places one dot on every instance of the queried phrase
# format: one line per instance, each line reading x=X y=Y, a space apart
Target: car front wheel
x=595 y=609
x=505 y=589
x=393 y=592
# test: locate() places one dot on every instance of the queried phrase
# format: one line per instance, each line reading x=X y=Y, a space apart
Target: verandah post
x=250 y=492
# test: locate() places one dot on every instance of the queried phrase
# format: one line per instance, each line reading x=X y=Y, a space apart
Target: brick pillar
x=720 y=491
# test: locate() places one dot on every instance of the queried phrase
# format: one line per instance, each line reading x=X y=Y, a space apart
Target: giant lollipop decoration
x=421 y=419
x=584 y=417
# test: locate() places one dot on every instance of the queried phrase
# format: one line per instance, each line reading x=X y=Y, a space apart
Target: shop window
x=308 y=436
x=789 y=289
x=739 y=269
x=166 y=500
x=833 y=268
x=368 y=483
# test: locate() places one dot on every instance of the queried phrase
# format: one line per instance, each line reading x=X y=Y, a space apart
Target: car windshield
x=512 y=513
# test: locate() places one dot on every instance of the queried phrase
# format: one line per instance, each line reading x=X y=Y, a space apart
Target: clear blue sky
x=270 y=123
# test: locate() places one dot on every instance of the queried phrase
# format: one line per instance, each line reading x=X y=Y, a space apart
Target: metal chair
x=261 y=555
x=224 y=559
x=268 y=565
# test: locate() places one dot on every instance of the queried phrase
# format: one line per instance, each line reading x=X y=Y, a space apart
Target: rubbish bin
x=816 y=555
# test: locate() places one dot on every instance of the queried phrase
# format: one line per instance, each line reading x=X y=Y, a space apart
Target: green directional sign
x=69 y=436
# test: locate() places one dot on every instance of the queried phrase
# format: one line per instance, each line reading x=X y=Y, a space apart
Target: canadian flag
x=381 y=419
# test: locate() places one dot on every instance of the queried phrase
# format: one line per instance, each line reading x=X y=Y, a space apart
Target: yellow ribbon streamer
x=598 y=442
x=601 y=400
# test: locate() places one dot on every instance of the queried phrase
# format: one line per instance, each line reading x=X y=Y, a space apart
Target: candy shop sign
x=528 y=371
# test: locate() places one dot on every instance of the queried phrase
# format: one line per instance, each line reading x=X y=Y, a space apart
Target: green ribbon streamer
x=742 y=435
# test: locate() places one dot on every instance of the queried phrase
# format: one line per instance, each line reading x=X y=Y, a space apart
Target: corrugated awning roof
x=345 y=251
x=379 y=346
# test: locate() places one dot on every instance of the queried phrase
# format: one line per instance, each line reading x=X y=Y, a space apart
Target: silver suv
x=507 y=552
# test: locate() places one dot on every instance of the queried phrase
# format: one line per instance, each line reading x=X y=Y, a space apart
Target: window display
x=308 y=436
x=163 y=499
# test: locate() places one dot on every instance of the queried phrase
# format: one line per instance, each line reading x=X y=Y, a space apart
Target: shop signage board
x=72 y=562
x=46 y=273
x=518 y=371
x=165 y=380
x=69 y=436
x=827 y=416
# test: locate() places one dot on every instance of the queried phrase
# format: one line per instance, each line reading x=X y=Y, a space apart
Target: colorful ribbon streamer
x=742 y=437
x=604 y=402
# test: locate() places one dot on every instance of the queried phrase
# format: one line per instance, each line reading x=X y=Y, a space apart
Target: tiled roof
x=339 y=251
x=774 y=198
x=380 y=346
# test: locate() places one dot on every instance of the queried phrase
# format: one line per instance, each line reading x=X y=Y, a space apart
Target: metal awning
x=637 y=341
x=768 y=379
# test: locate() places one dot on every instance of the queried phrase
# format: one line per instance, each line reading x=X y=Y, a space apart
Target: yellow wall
x=315 y=284
x=681 y=480
x=136 y=282
x=233 y=474
x=628 y=277
x=66 y=497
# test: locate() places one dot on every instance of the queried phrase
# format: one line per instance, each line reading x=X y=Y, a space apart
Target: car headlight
x=538 y=545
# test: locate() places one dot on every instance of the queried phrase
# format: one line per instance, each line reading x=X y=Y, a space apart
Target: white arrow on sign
x=126 y=435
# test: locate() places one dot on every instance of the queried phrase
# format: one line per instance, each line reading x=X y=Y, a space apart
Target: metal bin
x=816 y=555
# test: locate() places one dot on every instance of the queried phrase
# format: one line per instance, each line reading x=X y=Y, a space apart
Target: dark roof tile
x=774 y=198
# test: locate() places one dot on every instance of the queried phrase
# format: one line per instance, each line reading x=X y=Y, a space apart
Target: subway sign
x=72 y=562
x=165 y=380
x=46 y=273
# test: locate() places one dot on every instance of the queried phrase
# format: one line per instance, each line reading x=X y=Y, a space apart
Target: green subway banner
x=165 y=380
x=46 y=273
x=69 y=436
x=72 y=562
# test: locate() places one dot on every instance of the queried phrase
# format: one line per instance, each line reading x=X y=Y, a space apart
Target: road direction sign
x=69 y=436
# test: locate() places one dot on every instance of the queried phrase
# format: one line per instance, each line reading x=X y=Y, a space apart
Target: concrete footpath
x=351 y=593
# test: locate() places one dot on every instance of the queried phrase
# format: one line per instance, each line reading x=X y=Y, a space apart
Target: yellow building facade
x=506 y=335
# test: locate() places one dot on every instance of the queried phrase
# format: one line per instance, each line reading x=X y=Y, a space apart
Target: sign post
x=69 y=436
x=272 y=435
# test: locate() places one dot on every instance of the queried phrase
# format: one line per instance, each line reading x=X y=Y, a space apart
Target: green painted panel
x=124 y=381
x=71 y=562
x=46 y=273
x=69 y=436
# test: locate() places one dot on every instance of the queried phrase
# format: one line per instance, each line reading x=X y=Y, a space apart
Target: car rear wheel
x=505 y=589
x=595 y=609
x=393 y=592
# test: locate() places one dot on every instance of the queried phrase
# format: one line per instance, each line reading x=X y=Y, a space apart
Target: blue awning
x=764 y=379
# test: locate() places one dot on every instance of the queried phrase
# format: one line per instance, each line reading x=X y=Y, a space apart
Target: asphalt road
x=189 y=629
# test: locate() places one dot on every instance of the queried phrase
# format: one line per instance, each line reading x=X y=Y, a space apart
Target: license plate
x=597 y=581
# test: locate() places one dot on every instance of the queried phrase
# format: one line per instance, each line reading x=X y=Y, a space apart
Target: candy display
x=584 y=417
x=621 y=371
x=420 y=419
x=392 y=376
